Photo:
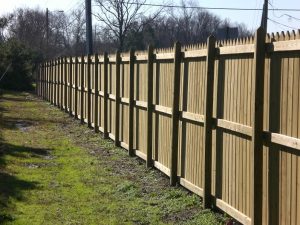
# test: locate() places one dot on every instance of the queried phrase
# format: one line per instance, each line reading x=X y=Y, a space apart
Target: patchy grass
x=55 y=171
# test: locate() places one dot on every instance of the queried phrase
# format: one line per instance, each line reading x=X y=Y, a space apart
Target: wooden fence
x=222 y=119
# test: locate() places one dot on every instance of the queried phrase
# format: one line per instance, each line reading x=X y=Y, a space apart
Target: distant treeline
x=26 y=40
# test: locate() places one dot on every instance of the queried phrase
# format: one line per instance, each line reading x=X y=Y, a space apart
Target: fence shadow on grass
x=12 y=187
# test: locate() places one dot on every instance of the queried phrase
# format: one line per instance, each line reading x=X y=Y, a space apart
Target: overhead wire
x=282 y=15
x=285 y=14
x=274 y=21
x=209 y=8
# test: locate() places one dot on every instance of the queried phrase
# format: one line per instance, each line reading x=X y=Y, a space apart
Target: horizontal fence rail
x=222 y=119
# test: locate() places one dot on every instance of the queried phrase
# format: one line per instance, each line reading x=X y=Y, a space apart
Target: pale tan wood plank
x=233 y=212
x=236 y=49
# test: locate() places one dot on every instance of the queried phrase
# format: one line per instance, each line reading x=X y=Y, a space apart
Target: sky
x=250 y=18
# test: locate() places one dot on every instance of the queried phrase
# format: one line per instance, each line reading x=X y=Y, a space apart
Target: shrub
x=19 y=76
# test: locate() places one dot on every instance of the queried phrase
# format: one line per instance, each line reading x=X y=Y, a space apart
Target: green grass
x=55 y=171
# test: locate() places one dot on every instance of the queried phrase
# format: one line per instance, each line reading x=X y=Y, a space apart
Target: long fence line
x=222 y=119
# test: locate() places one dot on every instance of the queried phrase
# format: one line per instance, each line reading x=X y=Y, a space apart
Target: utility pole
x=264 y=18
x=95 y=36
x=89 y=34
x=47 y=27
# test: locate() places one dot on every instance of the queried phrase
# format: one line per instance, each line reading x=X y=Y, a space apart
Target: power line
x=282 y=15
x=208 y=8
x=274 y=21
x=285 y=14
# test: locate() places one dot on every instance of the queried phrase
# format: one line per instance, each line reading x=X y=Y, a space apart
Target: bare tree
x=4 y=22
x=119 y=16
x=29 y=27
x=76 y=28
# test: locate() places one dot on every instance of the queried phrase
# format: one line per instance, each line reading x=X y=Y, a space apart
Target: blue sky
x=251 y=19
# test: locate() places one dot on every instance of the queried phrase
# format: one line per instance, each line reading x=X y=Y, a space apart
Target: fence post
x=47 y=82
x=37 y=79
x=82 y=90
x=89 y=103
x=71 y=86
x=96 y=102
x=58 y=82
x=117 y=116
x=149 y=161
x=257 y=126
x=61 y=83
x=105 y=95
x=175 y=114
x=208 y=121
x=51 y=82
x=44 y=80
x=65 y=85
x=131 y=102
x=76 y=87
x=55 y=82
x=40 y=79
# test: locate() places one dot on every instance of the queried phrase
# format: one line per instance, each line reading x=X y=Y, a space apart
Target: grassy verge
x=55 y=171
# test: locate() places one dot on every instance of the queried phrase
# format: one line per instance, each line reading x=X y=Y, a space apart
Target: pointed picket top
x=282 y=36
x=192 y=47
x=298 y=34
x=288 y=36
x=141 y=52
x=294 y=34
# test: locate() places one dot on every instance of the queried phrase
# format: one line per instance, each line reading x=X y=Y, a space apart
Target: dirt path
x=55 y=171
